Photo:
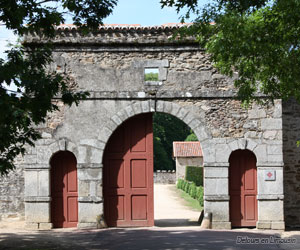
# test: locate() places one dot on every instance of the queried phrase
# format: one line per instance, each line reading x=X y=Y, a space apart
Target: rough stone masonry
x=110 y=65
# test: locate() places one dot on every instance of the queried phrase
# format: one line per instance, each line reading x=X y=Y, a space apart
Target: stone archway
x=136 y=109
x=37 y=184
x=89 y=153
x=189 y=118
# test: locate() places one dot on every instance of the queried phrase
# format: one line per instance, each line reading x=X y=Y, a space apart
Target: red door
x=243 y=189
x=128 y=174
x=64 y=205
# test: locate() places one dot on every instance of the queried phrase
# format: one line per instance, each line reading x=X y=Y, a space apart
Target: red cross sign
x=270 y=175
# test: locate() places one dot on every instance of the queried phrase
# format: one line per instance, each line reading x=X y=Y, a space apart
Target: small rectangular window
x=151 y=74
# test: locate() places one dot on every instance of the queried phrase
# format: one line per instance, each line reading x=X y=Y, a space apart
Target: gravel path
x=169 y=208
x=175 y=228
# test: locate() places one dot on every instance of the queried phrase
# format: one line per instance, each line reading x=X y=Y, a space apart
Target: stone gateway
x=97 y=156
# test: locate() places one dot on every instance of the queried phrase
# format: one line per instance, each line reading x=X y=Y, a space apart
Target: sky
x=6 y=36
x=144 y=12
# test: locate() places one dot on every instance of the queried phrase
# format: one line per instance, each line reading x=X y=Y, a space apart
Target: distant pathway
x=169 y=208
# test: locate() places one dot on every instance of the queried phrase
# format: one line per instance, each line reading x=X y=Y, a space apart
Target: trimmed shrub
x=183 y=185
x=199 y=195
x=187 y=187
x=194 y=174
x=180 y=183
x=193 y=190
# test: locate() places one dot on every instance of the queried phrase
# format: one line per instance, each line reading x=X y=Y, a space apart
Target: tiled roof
x=187 y=149
x=116 y=34
x=128 y=26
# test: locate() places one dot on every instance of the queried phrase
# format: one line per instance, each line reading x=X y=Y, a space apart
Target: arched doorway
x=128 y=174
x=64 y=193
x=243 y=188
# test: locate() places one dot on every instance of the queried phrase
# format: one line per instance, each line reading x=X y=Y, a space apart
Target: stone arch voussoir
x=62 y=144
x=244 y=143
x=139 y=107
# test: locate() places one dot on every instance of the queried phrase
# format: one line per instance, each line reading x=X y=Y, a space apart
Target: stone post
x=37 y=198
x=216 y=195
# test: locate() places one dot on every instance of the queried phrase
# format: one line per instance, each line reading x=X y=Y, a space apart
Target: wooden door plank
x=243 y=188
x=135 y=137
x=64 y=193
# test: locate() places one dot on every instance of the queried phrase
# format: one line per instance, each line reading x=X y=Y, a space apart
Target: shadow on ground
x=175 y=223
x=137 y=239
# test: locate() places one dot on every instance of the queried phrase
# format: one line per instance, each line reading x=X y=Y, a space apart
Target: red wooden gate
x=243 y=189
x=128 y=174
x=64 y=205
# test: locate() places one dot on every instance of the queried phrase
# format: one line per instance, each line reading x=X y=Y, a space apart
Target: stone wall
x=12 y=194
x=226 y=118
x=291 y=157
x=110 y=65
x=164 y=177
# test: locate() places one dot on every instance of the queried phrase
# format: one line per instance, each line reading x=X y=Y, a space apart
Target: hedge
x=194 y=191
x=194 y=174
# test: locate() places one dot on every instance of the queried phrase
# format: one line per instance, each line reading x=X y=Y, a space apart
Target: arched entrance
x=64 y=193
x=243 y=188
x=128 y=174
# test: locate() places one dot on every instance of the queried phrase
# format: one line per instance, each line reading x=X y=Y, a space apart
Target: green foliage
x=166 y=129
x=184 y=184
x=187 y=187
x=189 y=201
x=191 y=137
x=41 y=16
x=194 y=174
x=179 y=4
x=200 y=194
x=193 y=190
x=27 y=106
x=162 y=161
x=151 y=76
x=196 y=192
x=256 y=38
x=179 y=183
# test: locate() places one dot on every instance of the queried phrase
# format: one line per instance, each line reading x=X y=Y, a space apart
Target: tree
x=20 y=110
x=162 y=161
x=191 y=137
x=166 y=129
x=259 y=39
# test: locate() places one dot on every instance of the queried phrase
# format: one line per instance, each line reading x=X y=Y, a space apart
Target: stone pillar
x=90 y=201
x=37 y=198
x=216 y=195
x=270 y=198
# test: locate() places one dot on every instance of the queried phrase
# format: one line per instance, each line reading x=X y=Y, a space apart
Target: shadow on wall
x=291 y=159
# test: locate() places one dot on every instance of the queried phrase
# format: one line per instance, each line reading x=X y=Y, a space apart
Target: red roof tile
x=127 y=26
x=187 y=149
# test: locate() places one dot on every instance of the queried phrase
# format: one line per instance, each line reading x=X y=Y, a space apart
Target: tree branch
x=46 y=1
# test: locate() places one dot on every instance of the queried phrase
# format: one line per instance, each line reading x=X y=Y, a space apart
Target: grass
x=189 y=201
